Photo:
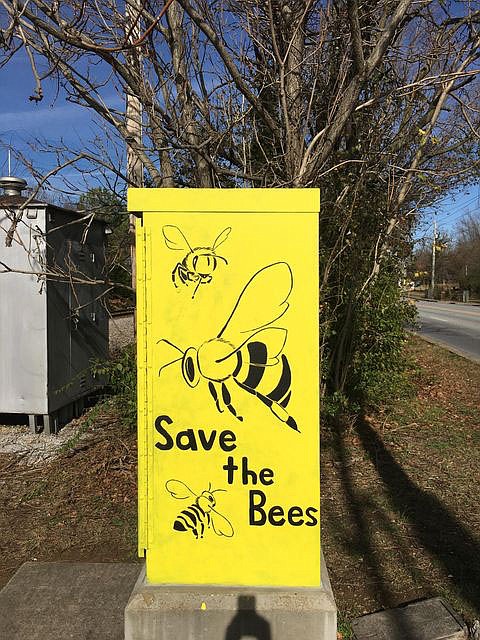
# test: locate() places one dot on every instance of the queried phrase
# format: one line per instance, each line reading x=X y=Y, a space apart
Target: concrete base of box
x=170 y=612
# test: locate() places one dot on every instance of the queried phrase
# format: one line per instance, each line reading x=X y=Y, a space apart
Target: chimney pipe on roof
x=12 y=186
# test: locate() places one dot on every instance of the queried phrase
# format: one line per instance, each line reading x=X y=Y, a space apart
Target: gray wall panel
x=23 y=321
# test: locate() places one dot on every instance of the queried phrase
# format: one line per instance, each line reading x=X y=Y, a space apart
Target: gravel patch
x=37 y=448
x=122 y=332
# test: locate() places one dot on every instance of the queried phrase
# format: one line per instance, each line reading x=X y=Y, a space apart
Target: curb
x=465 y=304
x=447 y=347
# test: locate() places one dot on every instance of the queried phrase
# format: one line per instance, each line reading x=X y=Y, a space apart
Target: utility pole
x=133 y=140
x=434 y=246
x=466 y=290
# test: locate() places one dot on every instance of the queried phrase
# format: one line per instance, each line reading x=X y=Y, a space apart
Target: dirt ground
x=400 y=519
x=401 y=516
x=79 y=507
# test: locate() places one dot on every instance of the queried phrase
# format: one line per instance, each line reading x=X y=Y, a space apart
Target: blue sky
x=449 y=211
x=21 y=121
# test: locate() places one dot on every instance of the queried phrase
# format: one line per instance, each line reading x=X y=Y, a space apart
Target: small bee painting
x=247 y=350
x=201 y=514
x=199 y=263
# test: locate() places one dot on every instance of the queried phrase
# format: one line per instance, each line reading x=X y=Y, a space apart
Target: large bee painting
x=248 y=349
x=201 y=514
x=199 y=263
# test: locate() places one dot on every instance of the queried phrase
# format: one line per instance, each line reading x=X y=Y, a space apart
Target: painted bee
x=247 y=350
x=199 y=263
x=201 y=513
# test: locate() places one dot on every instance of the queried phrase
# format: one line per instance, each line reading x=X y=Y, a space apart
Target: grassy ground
x=401 y=517
x=400 y=496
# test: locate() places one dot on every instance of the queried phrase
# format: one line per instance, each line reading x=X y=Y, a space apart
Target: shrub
x=379 y=363
x=120 y=376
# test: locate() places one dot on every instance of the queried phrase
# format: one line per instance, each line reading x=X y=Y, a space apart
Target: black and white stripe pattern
x=269 y=383
x=192 y=518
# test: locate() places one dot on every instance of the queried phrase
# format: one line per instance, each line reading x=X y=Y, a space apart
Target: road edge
x=447 y=347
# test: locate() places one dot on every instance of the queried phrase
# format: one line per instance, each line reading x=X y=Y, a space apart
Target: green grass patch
x=344 y=626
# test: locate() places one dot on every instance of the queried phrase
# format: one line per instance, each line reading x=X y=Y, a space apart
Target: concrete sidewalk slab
x=431 y=619
x=66 y=601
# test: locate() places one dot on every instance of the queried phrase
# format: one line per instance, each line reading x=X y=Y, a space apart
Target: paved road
x=454 y=325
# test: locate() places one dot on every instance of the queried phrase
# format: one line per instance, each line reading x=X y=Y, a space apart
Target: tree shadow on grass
x=435 y=528
x=359 y=542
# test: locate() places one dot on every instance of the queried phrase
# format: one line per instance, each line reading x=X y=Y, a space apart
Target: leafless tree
x=460 y=258
x=374 y=101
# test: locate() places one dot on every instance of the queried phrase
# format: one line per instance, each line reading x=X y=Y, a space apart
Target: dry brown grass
x=400 y=494
x=80 y=507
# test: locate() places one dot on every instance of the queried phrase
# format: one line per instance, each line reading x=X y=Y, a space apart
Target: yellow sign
x=228 y=385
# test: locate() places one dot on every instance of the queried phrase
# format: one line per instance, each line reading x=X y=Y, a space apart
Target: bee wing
x=273 y=338
x=179 y=490
x=262 y=301
x=174 y=238
x=222 y=237
x=221 y=525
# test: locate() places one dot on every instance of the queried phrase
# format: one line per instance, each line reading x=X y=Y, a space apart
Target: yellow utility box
x=228 y=385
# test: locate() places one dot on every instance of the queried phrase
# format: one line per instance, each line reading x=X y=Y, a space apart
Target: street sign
x=228 y=384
